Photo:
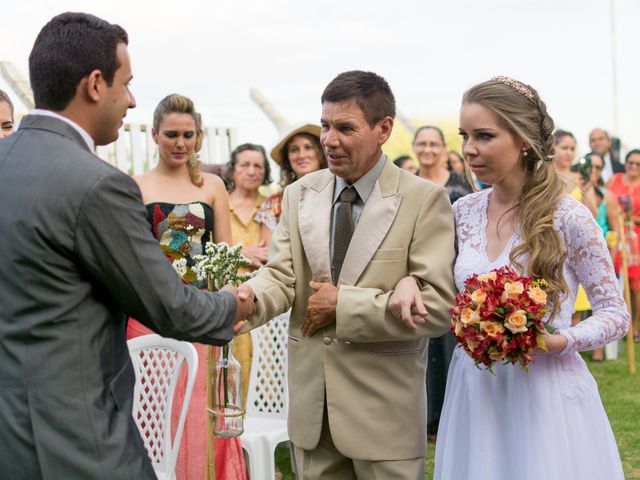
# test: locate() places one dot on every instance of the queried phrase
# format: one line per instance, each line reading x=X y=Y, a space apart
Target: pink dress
x=182 y=230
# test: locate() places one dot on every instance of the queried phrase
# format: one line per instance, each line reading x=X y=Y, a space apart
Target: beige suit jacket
x=368 y=366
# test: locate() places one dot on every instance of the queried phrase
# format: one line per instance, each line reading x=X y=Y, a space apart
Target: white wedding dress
x=548 y=424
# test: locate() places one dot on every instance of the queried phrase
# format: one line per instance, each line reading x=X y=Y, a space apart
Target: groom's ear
x=91 y=87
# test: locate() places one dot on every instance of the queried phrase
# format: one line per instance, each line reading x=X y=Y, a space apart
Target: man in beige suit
x=357 y=375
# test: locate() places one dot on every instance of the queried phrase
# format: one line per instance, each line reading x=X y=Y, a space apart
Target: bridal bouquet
x=498 y=318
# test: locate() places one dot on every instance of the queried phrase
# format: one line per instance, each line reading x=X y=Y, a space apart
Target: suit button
x=326 y=340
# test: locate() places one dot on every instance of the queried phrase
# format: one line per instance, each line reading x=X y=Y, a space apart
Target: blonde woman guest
x=299 y=152
x=187 y=208
x=6 y=115
x=550 y=420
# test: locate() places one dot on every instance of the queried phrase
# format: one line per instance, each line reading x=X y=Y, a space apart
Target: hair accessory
x=516 y=85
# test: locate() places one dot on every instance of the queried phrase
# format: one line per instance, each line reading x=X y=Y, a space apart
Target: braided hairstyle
x=518 y=108
x=176 y=103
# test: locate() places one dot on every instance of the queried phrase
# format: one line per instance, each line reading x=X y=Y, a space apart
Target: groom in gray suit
x=77 y=256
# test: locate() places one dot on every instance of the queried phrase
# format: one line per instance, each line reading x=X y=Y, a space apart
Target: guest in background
x=298 y=153
x=431 y=151
x=626 y=187
x=6 y=115
x=606 y=209
x=406 y=162
x=455 y=162
x=600 y=142
x=568 y=170
x=186 y=209
x=565 y=157
x=247 y=170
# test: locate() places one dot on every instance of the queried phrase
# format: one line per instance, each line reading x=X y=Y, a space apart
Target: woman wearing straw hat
x=298 y=153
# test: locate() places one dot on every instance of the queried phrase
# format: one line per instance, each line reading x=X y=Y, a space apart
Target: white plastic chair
x=268 y=397
x=157 y=362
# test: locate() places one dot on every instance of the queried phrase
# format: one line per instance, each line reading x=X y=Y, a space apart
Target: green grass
x=620 y=393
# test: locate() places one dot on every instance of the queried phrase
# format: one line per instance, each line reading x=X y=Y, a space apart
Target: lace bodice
x=588 y=262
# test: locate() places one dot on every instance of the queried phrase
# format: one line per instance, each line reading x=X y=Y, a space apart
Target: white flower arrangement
x=180 y=266
x=219 y=265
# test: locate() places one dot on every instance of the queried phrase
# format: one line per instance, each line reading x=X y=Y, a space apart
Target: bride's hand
x=555 y=342
x=406 y=303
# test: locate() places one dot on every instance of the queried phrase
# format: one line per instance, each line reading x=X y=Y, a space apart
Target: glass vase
x=228 y=412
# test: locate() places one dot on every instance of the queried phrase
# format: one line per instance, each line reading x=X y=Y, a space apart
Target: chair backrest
x=268 y=394
x=157 y=362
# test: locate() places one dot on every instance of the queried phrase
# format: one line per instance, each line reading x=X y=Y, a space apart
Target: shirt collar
x=364 y=185
x=83 y=133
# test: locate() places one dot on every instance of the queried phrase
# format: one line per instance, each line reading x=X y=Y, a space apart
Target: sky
x=430 y=52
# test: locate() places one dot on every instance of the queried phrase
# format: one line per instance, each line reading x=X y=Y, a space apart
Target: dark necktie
x=342 y=231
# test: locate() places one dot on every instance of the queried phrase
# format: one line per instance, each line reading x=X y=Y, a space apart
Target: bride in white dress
x=548 y=423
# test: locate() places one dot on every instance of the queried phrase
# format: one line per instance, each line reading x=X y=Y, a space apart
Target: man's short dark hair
x=370 y=91
x=66 y=50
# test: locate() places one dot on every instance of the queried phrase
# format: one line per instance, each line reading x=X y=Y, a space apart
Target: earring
x=525 y=152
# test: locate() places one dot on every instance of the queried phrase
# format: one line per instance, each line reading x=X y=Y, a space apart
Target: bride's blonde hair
x=518 y=107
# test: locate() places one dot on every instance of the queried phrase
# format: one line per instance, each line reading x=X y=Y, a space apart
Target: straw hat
x=276 y=152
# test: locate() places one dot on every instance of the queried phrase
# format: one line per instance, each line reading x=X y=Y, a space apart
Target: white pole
x=614 y=70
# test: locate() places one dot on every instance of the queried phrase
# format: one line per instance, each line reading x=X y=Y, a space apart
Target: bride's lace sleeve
x=588 y=257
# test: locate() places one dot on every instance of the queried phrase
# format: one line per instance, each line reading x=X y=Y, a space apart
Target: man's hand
x=321 y=308
x=245 y=306
x=406 y=303
x=257 y=253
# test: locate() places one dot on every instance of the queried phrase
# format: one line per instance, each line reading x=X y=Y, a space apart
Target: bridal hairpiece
x=516 y=85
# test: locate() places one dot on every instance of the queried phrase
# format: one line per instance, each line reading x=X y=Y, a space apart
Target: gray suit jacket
x=76 y=257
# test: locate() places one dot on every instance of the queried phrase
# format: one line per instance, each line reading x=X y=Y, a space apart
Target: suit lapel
x=376 y=219
x=314 y=222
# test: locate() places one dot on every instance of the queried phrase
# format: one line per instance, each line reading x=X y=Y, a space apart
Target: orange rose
x=512 y=290
x=458 y=328
x=537 y=295
x=497 y=356
x=472 y=344
x=485 y=277
x=469 y=316
x=517 y=321
x=492 y=328
x=478 y=296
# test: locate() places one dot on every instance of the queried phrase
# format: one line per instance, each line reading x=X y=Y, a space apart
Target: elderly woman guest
x=185 y=209
x=247 y=170
x=6 y=115
x=299 y=152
